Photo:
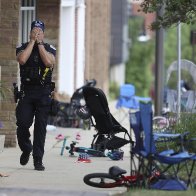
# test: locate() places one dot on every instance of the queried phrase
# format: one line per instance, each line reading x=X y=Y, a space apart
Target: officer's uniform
x=35 y=100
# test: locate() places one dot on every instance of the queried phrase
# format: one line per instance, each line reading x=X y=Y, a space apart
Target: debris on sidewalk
x=78 y=136
x=51 y=128
x=84 y=158
x=59 y=137
x=3 y=175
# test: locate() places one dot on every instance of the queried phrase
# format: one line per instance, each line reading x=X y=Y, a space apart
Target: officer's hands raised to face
x=33 y=34
x=40 y=36
x=37 y=35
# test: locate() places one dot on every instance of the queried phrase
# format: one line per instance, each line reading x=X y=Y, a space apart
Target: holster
x=17 y=94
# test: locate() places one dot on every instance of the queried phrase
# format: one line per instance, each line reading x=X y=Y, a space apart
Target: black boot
x=24 y=158
x=38 y=165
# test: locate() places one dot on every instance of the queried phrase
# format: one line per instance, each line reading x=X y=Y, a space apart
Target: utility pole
x=159 y=68
x=179 y=70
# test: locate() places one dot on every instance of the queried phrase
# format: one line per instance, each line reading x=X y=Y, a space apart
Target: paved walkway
x=63 y=174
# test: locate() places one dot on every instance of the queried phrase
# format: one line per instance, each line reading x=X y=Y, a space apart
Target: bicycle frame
x=127 y=181
x=106 y=180
x=115 y=178
x=72 y=148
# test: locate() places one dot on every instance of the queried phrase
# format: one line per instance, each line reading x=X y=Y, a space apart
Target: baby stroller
x=66 y=115
x=77 y=99
x=105 y=124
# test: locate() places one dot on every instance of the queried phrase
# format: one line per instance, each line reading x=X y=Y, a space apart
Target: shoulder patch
x=19 y=46
x=51 y=46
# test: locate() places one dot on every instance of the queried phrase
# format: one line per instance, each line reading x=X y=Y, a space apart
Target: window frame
x=27 y=15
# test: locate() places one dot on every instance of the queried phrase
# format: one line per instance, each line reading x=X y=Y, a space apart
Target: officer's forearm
x=46 y=57
x=25 y=54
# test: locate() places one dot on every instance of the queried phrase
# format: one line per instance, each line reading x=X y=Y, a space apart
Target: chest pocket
x=30 y=74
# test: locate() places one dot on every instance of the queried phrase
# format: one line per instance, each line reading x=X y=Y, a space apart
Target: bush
x=4 y=90
x=187 y=123
x=114 y=90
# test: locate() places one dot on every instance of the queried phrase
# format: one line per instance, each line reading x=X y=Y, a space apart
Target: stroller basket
x=116 y=142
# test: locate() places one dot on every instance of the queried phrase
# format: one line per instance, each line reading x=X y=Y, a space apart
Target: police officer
x=36 y=60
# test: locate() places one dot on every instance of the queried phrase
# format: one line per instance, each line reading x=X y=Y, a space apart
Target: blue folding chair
x=128 y=100
x=165 y=166
x=126 y=97
x=166 y=161
x=137 y=167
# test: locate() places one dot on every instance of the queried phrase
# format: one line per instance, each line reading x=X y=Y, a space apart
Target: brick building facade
x=98 y=42
x=97 y=34
x=9 y=22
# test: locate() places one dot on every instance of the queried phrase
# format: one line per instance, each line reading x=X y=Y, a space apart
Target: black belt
x=35 y=86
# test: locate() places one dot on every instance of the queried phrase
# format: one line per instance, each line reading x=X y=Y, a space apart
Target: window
x=27 y=15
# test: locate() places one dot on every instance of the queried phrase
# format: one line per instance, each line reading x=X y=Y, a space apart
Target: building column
x=80 y=43
x=66 y=47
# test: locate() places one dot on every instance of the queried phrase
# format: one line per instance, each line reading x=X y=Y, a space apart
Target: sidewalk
x=63 y=174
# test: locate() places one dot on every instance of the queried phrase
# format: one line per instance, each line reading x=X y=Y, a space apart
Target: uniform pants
x=33 y=107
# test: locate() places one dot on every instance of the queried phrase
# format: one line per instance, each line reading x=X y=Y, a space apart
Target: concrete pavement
x=63 y=174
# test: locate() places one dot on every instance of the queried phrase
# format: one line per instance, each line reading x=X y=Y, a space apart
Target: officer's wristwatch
x=40 y=43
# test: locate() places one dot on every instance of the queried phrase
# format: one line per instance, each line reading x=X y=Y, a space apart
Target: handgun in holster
x=17 y=94
x=52 y=86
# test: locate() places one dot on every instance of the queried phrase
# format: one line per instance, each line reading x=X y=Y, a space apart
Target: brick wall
x=98 y=42
x=9 y=19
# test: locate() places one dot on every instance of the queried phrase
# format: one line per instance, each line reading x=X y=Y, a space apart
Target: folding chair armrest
x=166 y=152
x=158 y=136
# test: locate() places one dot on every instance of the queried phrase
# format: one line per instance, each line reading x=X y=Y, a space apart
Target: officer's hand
x=40 y=36
x=34 y=34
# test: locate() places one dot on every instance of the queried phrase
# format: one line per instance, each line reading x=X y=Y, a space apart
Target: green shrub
x=187 y=123
x=2 y=90
x=114 y=90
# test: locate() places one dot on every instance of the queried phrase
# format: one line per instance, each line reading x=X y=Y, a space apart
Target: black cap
x=37 y=23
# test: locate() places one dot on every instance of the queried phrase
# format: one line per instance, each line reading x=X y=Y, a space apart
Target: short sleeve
x=51 y=49
x=20 y=48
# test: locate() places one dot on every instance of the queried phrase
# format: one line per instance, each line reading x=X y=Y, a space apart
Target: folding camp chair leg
x=190 y=183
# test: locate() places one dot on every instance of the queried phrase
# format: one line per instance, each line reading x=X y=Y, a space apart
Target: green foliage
x=187 y=123
x=3 y=90
x=174 y=11
x=141 y=58
x=170 y=53
x=185 y=75
x=114 y=90
x=170 y=44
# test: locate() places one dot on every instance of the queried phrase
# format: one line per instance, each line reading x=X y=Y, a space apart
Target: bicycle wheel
x=100 y=180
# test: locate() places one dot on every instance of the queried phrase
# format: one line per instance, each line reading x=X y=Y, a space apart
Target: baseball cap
x=37 y=23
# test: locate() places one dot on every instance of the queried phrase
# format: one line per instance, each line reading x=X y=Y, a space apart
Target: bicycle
x=72 y=148
x=115 y=178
